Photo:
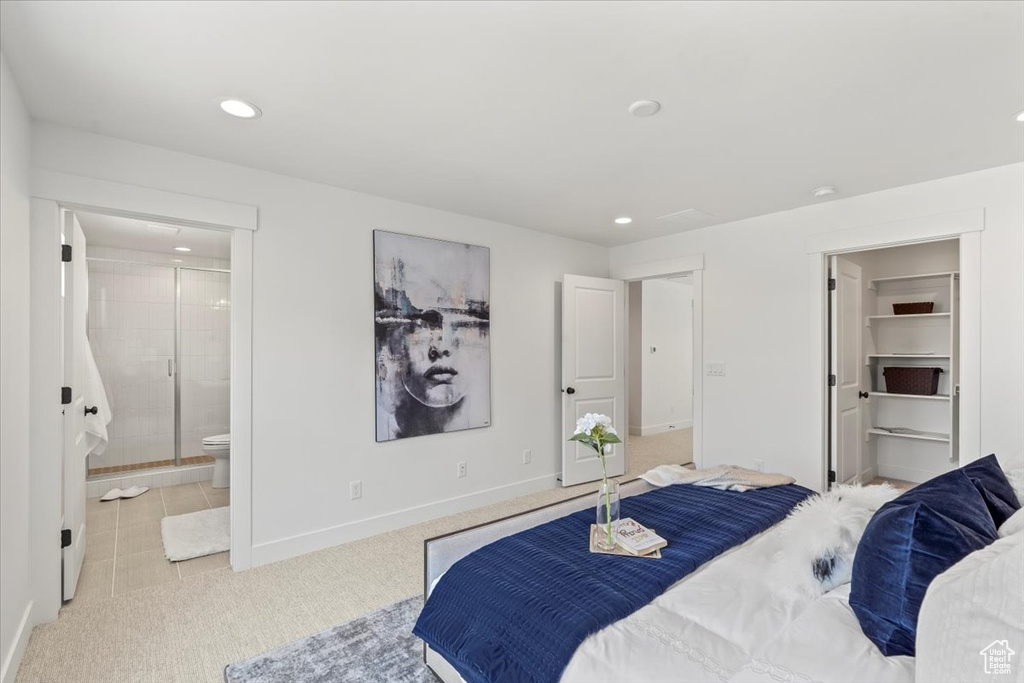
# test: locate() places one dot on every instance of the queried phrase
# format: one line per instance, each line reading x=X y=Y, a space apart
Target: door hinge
x=65 y=538
x=65 y=253
x=831 y=476
x=831 y=380
x=831 y=284
x=65 y=395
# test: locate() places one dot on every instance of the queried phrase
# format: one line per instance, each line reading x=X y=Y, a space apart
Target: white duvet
x=735 y=620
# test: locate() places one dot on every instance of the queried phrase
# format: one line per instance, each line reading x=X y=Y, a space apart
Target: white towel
x=93 y=392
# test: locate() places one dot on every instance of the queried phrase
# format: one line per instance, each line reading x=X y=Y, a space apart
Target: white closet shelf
x=923 y=436
x=873 y=284
x=919 y=397
x=910 y=316
x=908 y=356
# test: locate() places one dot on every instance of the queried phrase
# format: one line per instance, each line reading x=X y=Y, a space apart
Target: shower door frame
x=176 y=362
x=51 y=192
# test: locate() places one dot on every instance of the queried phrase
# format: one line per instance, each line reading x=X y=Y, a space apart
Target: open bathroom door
x=74 y=319
x=593 y=370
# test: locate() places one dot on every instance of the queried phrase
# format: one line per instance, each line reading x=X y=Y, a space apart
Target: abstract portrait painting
x=432 y=325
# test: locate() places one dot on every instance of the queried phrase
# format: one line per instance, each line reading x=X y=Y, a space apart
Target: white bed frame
x=441 y=552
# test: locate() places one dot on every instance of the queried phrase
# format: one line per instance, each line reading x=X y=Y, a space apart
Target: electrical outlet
x=759 y=465
x=715 y=368
x=462 y=469
x=355 y=490
x=527 y=457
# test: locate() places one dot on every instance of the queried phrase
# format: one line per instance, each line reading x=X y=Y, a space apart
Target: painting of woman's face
x=433 y=323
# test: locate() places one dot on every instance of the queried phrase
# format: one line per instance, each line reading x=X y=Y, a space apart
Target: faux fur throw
x=724 y=477
x=818 y=541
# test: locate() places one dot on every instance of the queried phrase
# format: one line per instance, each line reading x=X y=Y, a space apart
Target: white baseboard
x=12 y=658
x=282 y=549
x=668 y=426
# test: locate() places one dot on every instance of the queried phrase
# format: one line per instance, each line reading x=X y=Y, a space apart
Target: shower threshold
x=135 y=467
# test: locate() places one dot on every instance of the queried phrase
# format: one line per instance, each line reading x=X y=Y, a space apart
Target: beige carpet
x=190 y=629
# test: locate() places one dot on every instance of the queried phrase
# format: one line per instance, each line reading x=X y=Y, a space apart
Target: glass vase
x=607 y=514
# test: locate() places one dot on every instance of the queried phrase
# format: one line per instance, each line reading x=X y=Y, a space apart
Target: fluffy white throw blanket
x=724 y=477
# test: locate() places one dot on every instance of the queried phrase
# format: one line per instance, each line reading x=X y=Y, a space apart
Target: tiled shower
x=159 y=327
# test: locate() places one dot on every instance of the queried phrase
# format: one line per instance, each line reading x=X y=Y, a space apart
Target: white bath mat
x=196 y=534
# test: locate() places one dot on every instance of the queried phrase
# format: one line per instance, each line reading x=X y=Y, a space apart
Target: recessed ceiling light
x=1020 y=116
x=644 y=108
x=239 y=108
x=175 y=260
x=182 y=249
x=163 y=229
x=824 y=191
x=623 y=220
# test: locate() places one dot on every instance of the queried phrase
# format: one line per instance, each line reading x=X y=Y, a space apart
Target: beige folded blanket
x=724 y=477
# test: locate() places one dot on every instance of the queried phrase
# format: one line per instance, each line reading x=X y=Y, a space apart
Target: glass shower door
x=204 y=347
x=132 y=333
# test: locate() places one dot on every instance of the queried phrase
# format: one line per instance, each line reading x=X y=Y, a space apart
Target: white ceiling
x=130 y=233
x=516 y=111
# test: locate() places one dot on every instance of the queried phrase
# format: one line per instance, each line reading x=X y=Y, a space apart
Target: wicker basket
x=913 y=308
x=917 y=381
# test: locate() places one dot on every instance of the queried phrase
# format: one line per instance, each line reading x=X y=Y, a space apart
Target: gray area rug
x=378 y=647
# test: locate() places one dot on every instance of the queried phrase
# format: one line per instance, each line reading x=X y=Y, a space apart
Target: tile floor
x=124 y=550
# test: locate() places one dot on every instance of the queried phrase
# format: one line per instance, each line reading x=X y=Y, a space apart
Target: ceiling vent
x=687 y=218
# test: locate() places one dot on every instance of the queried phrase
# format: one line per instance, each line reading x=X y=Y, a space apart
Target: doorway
x=894 y=363
x=595 y=347
x=152 y=366
x=660 y=377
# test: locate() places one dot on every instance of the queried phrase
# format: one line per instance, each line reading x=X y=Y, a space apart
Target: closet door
x=847 y=369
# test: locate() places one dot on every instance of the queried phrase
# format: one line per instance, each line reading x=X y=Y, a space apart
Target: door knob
x=92 y=411
x=570 y=391
x=863 y=394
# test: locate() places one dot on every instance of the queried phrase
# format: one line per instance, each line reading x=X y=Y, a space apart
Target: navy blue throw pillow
x=909 y=542
x=991 y=482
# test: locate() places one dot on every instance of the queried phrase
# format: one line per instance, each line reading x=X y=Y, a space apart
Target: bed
x=732 y=619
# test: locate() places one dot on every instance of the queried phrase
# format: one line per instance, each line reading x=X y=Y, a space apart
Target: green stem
x=607 y=493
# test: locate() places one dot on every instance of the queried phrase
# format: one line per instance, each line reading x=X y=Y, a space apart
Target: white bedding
x=734 y=620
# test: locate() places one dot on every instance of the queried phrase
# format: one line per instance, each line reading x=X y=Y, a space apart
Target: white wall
x=15 y=601
x=667 y=372
x=756 y=318
x=313 y=346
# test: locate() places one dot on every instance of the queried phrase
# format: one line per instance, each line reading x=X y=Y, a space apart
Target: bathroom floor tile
x=143 y=570
x=175 y=493
x=104 y=519
x=139 y=538
x=99 y=546
x=219 y=498
x=186 y=505
x=95 y=581
x=208 y=486
x=141 y=510
x=201 y=565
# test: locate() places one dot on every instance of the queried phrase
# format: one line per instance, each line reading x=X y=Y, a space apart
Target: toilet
x=220 y=448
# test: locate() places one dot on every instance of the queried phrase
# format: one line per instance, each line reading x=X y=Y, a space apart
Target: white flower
x=607 y=449
x=586 y=424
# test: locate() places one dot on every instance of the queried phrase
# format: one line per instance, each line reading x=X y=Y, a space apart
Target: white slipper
x=134 y=491
x=112 y=494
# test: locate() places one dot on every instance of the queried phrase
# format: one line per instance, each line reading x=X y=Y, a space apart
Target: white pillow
x=819 y=538
x=972 y=608
x=1013 y=468
x=1014 y=525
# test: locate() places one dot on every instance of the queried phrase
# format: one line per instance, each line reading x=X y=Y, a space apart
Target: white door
x=593 y=370
x=75 y=319
x=848 y=368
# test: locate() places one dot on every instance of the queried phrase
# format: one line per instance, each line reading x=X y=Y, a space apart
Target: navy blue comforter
x=517 y=609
